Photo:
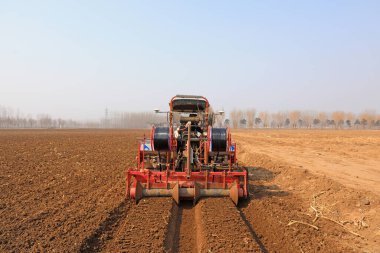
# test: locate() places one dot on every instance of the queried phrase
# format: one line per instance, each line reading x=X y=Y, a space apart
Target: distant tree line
x=131 y=120
x=303 y=119
x=10 y=118
x=249 y=118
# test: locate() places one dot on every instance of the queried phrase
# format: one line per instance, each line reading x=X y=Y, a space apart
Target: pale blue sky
x=73 y=59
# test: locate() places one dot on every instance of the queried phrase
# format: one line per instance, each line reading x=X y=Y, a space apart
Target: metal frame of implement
x=205 y=180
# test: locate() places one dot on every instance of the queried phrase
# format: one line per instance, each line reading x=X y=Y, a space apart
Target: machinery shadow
x=260 y=174
x=254 y=235
x=265 y=191
x=94 y=242
x=258 y=187
x=258 y=178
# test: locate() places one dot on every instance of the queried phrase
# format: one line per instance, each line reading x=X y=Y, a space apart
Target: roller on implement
x=188 y=159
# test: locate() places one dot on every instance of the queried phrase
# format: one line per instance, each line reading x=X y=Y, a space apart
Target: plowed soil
x=289 y=183
x=223 y=228
x=187 y=229
x=63 y=191
x=144 y=227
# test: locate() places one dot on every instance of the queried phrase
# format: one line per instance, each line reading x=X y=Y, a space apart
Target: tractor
x=187 y=158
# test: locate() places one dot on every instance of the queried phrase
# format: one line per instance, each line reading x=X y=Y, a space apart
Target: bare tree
x=258 y=121
x=294 y=117
x=264 y=116
x=278 y=119
x=281 y=119
x=10 y=118
x=307 y=118
x=322 y=116
x=243 y=123
x=287 y=122
x=316 y=122
x=368 y=118
x=250 y=114
x=377 y=124
x=350 y=119
x=338 y=117
x=235 y=116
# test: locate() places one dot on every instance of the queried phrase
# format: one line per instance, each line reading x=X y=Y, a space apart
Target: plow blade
x=160 y=184
x=184 y=193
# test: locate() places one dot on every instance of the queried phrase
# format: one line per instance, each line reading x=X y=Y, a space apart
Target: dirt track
x=72 y=184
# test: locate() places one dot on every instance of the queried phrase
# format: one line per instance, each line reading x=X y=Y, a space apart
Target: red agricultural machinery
x=188 y=159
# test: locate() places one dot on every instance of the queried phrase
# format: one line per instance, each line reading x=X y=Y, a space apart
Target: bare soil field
x=325 y=178
x=349 y=157
x=63 y=191
x=60 y=189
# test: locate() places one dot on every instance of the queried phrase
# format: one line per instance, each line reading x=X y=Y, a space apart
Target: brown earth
x=58 y=188
x=288 y=181
x=144 y=227
x=351 y=157
x=63 y=191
